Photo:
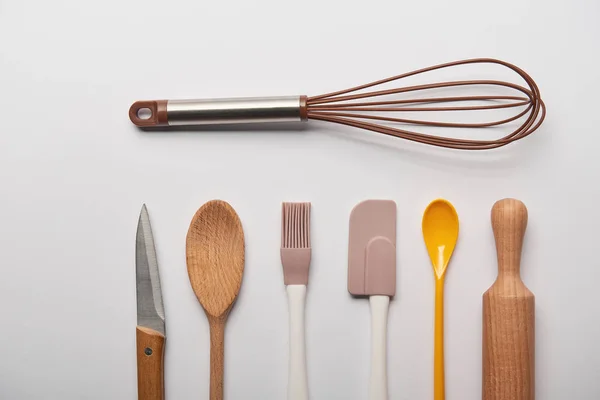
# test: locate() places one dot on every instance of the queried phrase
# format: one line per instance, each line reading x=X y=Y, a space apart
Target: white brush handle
x=379 y=316
x=297 y=378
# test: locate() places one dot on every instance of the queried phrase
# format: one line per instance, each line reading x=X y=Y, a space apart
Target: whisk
x=372 y=110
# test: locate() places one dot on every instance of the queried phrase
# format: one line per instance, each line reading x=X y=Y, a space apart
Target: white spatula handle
x=297 y=379
x=379 y=316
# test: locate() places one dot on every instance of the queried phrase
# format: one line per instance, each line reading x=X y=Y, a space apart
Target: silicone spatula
x=372 y=272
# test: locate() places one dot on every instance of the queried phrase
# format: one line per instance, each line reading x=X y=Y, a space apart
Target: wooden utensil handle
x=217 y=357
x=509 y=221
x=150 y=371
x=508 y=348
x=508 y=313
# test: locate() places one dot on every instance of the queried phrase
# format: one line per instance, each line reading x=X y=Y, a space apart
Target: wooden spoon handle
x=509 y=221
x=217 y=354
x=150 y=346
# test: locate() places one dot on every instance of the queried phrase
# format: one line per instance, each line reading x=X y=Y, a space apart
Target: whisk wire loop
x=348 y=107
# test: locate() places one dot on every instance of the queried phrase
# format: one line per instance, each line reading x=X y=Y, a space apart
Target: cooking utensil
x=295 y=257
x=150 y=331
x=215 y=262
x=356 y=107
x=440 y=231
x=509 y=313
x=372 y=272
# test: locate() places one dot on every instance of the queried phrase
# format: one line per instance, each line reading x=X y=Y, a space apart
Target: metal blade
x=150 y=311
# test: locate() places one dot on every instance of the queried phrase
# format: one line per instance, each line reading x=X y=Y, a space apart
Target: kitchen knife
x=150 y=331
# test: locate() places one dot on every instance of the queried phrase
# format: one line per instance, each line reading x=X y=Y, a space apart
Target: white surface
x=379 y=316
x=297 y=375
x=74 y=173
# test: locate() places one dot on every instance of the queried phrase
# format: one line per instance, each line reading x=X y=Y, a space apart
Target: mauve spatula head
x=372 y=249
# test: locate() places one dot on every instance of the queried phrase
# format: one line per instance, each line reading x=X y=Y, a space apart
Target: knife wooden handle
x=508 y=313
x=150 y=352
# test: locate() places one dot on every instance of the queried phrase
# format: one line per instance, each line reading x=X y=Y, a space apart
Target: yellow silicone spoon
x=440 y=231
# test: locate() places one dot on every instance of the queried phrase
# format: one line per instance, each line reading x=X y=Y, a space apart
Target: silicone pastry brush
x=215 y=263
x=440 y=231
x=509 y=313
x=150 y=331
x=372 y=272
x=295 y=257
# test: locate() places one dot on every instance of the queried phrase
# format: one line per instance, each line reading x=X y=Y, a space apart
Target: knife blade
x=150 y=331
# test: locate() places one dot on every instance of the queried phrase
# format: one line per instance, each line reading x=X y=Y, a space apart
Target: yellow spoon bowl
x=440 y=231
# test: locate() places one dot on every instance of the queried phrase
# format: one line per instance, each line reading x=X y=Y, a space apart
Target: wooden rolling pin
x=508 y=313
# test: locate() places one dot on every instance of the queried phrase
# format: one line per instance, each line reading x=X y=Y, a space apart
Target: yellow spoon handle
x=438 y=355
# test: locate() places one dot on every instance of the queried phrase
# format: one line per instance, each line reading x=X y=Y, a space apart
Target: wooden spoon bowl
x=215 y=263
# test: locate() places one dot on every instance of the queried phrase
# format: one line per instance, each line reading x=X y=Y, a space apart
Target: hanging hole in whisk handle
x=149 y=113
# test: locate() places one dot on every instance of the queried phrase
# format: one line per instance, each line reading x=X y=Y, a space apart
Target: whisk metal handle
x=218 y=111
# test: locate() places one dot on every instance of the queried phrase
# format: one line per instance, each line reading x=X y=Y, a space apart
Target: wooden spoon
x=215 y=262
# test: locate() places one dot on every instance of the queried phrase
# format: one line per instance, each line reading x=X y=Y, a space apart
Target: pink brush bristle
x=295 y=233
x=295 y=242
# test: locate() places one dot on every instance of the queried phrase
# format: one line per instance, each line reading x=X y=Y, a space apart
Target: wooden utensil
x=440 y=232
x=215 y=262
x=508 y=313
